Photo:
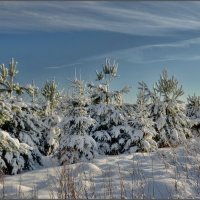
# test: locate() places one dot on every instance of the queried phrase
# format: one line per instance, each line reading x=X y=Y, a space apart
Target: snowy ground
x=167 y=173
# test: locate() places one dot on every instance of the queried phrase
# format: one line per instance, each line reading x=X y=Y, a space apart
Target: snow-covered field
x=166 y=173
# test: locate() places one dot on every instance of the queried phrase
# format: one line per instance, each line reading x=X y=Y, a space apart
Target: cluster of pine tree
x=89 y=121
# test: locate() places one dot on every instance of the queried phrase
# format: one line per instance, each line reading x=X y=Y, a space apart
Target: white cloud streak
x=141 y=18
x=185 y=50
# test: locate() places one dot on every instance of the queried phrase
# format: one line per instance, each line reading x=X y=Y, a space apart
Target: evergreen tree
x=17 y=117
x=7 y=80
x=26 y=125
x=143 y=132
x=51 y=94
x=168 y=113
x=50 y=118
x=112 y=129
x=33 y=91
x=101 y=93
x=16 y=153
x=15 y=156
x=76 y=144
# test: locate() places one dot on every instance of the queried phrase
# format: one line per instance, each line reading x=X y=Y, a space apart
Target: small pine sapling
x=168 y=113
x=76 y=144
x=51 y=94
x=106 y=108
x=141 y=137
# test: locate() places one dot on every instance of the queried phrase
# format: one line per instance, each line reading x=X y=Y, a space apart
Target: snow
x=161 y=122
x=165 y=173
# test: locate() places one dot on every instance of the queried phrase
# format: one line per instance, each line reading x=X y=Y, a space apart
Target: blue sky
x=50 y=39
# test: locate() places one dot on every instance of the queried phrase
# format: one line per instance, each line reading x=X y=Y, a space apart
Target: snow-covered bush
x=16 y=156
x=193 y=106
x=167 y=111
x=193 y=112
x=76 y=144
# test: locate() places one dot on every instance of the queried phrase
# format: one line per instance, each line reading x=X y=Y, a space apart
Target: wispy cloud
x=143 y=18
x=185 y=50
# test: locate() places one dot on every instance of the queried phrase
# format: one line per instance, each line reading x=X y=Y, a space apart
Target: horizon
x=52 y=39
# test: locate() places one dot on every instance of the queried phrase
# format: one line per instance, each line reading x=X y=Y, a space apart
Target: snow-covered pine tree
x=15 y=156
x=17 y=117
x=52 y=134
x=167 y=111
x=7 y=84
x=112 y=129
x=193 y=106
x=10 y=105
x=141 y=138
x=193 y=112
x=50 y=117
x=26 y=125
x=51 y=94
x=76 y=144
